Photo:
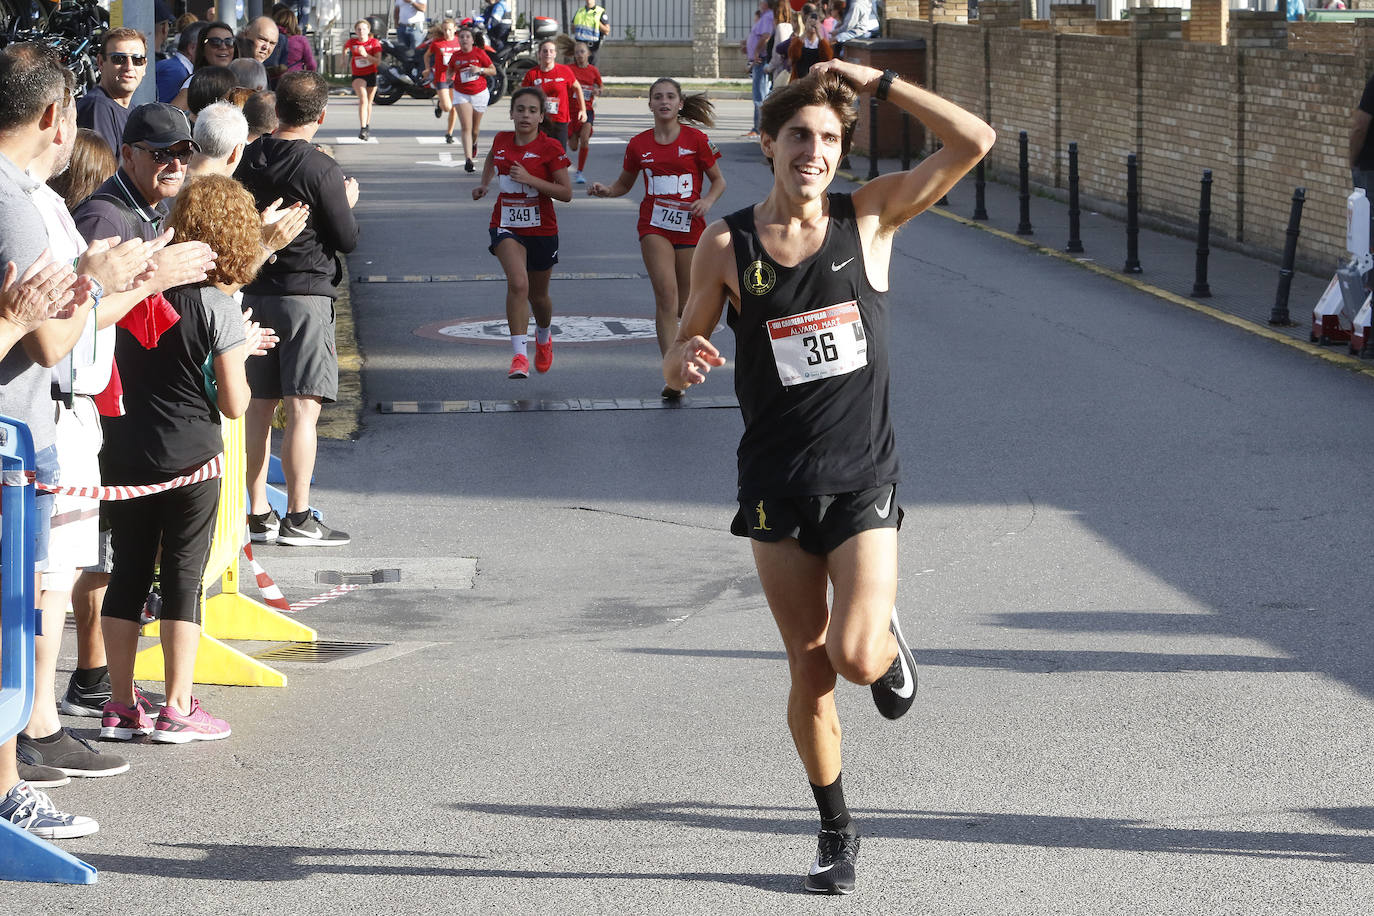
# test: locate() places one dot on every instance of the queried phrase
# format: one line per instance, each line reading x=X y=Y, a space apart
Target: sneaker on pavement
x=438 y=113
x=670 y=394
x=310 y=533
x=120 y=723
x=29 y=809
x=263 y=529
x=86 y=701
x=578 y=177
x=71 y=755
x=519 y=366
x=468 y=166
x=543 y=356
x=196 y=725
x=895 y=691
x=833 y=870
x=37 y=775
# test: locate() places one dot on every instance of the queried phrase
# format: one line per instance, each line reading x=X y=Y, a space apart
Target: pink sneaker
x=122 y=723
x=197 y=725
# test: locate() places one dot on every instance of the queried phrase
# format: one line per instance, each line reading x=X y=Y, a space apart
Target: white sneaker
x=578 y=179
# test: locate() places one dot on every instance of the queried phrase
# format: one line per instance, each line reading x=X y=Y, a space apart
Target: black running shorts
x=818 y=523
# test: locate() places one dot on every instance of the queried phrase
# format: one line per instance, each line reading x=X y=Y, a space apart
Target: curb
x=1343 y=360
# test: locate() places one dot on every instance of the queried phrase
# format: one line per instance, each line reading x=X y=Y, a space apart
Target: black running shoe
x=448 y=138
x=468 y=166
x=833 y=870
x=310 y=533
x=86 y=701
x=895 y=691
x=263 y=529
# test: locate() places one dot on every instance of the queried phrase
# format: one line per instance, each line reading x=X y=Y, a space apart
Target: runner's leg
x=360 y=90
x=660 y=260
x=540 y=301
x=864 y=572
x=511 y=254
x=464 y=114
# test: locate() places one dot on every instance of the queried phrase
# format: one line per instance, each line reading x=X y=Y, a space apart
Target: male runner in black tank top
x=805 y=274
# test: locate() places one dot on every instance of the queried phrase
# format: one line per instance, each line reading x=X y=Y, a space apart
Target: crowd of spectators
x=129 y=236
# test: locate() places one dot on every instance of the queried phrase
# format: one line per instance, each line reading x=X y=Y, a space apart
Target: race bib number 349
x=820 y=344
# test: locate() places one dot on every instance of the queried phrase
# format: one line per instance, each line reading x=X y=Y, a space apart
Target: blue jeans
x=763 y=83
x=409 y=36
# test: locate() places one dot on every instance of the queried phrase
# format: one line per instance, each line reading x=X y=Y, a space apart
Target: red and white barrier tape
x=330 y=595
x=207 y=471
x=271 y=595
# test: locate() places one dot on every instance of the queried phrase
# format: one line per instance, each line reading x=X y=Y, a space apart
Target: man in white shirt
x=410 y=22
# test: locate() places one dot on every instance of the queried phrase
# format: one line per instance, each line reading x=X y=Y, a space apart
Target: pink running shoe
x=197 y=725
x=519 y=366
x=122 y=723
x=543 y=356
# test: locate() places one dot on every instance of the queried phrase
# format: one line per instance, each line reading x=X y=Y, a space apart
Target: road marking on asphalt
x=445 y=160
x=468 y=278
x=354 y=140
x=535 y=405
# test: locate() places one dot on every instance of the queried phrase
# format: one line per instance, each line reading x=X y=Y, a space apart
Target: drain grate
x=375 y=577
x=318 y=652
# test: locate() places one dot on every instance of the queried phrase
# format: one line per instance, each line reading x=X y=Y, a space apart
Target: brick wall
x=1257 y=30
x=1208 y=21
x=1325 y=37
x=1190 y=113
x=1023 y=91
x=1074 y=18
x=1001 y=14
x=1100 y=109
x=659 y=58
x=959 y=69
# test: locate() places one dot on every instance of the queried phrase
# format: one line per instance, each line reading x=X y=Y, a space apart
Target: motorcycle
x=514 y=57
x=67 y=26
x=401 y=71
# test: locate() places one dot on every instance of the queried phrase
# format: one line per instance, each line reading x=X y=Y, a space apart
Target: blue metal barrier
x=23 y=856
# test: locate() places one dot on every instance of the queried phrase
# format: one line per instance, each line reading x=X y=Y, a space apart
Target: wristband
x=885 y=83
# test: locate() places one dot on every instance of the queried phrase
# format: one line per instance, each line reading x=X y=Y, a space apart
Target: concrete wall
x=663 y=58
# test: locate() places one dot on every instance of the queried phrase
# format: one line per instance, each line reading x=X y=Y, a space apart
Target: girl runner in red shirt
x=533 y=172
x=364 y=54
x=438 y=58
x=471 y=66
x=562 y=90
x=589 y=78
x=673 y=157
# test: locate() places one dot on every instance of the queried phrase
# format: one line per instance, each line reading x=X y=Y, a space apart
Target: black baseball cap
x=162 y=12
x=159 y=125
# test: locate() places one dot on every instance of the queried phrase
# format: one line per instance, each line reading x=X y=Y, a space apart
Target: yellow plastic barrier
x=230 y=614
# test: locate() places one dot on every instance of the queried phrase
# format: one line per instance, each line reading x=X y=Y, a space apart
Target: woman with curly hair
x=181 y=370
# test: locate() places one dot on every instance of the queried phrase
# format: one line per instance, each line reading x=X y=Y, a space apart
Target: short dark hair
x=208 y=85
x=828 y=89
x=189 y=38
x=261 y=112
x=34 y=78
x=301 y=98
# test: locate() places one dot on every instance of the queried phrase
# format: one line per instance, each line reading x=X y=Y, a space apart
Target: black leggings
x=182 y=522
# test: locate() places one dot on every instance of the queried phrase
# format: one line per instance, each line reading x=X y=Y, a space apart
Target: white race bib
x=672 y=216
x=470 y=74
x=519 y=213
x=670 y=185
x=509 y=186
x=551 y=105
x=820 y=344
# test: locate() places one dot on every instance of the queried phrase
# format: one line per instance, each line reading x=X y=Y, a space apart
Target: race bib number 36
x=671 y=216
x=820 y=344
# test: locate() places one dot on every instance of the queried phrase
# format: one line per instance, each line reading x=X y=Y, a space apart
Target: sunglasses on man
x=120 y=59
x=167 y=156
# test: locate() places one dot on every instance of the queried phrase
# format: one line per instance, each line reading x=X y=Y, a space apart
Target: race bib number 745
x=820 y=344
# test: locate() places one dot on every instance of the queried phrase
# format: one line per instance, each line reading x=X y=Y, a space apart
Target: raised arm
x=898 y=197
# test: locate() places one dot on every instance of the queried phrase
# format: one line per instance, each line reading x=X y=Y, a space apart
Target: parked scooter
x=516 y=56
x=401 y=71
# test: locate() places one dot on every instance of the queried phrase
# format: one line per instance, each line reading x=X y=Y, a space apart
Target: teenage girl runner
x=533 y=172
x=364 y=54
x=673 y=157
x=438 y=56
x=562 y=90
x=470 y=68
x=589 y=78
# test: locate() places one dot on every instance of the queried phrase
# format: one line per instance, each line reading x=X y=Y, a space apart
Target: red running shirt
x=441 y=52
x=519 y=207
x=590 y=79
x=557 y=86
x=463 y=65
x=673 y=179
x=357 y=52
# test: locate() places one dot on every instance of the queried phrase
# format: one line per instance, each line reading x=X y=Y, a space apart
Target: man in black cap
x=156 y=146
x=123 y=62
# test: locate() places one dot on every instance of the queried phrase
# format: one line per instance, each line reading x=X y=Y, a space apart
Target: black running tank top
x=811 y=370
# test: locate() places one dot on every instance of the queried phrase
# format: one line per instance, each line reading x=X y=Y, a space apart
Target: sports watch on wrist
x=885 y=83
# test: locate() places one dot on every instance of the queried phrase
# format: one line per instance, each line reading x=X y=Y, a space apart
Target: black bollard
x=1204 y=230
x=1075 y=243
x=1279 y=315
x=1132 y=217
x=1024 y=227
x=980 y=186
x=872 y=139
x=906 y=142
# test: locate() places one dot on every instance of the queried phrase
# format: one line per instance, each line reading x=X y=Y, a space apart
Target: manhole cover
x=318 y=652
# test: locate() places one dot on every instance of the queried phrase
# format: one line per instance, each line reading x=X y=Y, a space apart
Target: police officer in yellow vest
x=590 y=24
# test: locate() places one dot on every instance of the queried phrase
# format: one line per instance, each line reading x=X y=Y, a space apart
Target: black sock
x=89 y=677
x=834 y=812
x=298 y=518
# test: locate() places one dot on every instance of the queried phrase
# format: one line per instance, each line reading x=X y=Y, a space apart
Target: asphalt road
x=1132 y=570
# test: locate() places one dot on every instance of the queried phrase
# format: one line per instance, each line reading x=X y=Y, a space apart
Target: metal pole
x=1132 y=217
x=906 y=142
x=1279 y=315
x=1204 y=230
x=1024 y=227
x=980 y=184
x=1075 y=243
x=872 y=138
